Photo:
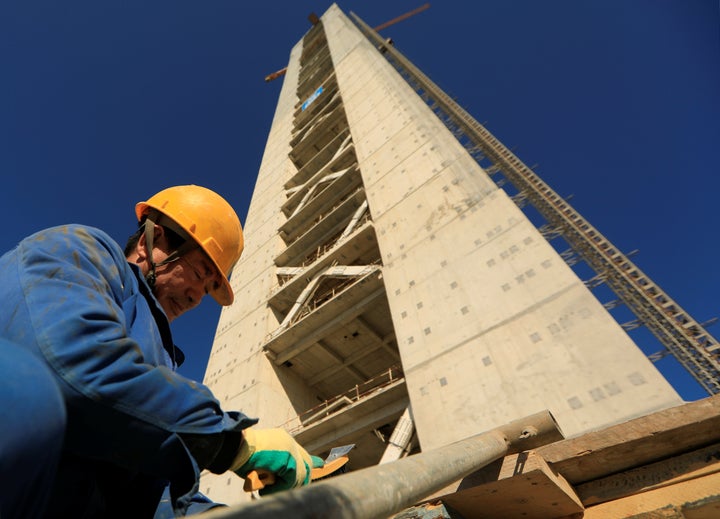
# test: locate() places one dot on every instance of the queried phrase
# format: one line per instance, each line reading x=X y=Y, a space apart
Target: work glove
x=276 y=452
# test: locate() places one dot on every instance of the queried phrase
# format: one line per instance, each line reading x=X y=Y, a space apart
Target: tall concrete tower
x=391 y=295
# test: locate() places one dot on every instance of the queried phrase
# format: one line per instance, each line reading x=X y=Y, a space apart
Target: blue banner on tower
x=312 y=98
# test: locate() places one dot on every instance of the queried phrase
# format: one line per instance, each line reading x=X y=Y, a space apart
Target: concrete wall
x=491 y=323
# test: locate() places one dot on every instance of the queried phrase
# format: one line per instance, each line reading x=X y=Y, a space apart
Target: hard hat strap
x=188 y=245
x=149 y=234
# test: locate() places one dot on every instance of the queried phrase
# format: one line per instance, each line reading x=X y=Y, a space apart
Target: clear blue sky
x=103 y=103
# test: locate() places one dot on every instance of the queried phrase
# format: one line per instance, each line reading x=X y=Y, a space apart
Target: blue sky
x=618 y=102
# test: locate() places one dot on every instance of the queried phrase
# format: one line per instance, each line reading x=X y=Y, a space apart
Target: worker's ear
x=158 y=241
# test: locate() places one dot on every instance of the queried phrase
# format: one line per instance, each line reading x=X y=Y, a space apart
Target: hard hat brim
x=224 y=294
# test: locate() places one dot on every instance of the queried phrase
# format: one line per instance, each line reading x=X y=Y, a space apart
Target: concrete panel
x=520 y=367
x=491 y=323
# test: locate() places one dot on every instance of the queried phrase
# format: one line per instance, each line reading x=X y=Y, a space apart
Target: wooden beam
x=644 y=440
x=521 y=486
x=663 y=473
x=669 y=456
x=697 y=498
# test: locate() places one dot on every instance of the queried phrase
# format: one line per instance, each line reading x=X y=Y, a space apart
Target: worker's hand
x=275 y=451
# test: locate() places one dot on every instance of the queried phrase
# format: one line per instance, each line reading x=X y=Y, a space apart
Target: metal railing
x=349 y=397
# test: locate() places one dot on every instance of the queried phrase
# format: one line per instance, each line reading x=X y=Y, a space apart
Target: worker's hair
x=173 y=238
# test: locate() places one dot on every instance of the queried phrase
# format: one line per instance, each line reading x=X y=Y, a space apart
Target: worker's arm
x=70 y=296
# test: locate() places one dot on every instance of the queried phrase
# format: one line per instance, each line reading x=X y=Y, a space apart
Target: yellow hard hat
x=207 y=219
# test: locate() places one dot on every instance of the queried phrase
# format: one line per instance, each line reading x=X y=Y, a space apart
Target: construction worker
x=95 y=420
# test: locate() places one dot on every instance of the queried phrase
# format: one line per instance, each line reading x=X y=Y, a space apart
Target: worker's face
x=181 y=284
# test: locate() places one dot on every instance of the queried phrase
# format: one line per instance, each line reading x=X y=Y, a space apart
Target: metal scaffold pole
x=382 y=490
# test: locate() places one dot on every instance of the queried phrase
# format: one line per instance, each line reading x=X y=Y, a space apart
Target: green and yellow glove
x=276 y=452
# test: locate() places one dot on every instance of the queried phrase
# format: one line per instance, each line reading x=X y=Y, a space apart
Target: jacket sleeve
x=124 y=406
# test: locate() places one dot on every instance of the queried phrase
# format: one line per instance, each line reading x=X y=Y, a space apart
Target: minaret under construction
x=391 y=295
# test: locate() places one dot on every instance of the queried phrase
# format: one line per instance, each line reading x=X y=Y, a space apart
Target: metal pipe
x=382 y=490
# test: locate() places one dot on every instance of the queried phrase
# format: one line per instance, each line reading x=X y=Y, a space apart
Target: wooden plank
x=669 y=449
x=697 y=498
x=637 y=442
x=518 y=486
x=655 y=475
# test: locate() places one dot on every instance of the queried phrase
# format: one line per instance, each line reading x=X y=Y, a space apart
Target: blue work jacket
x=69 y=295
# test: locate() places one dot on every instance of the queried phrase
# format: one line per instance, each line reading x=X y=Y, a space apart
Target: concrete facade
x=385 y=269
